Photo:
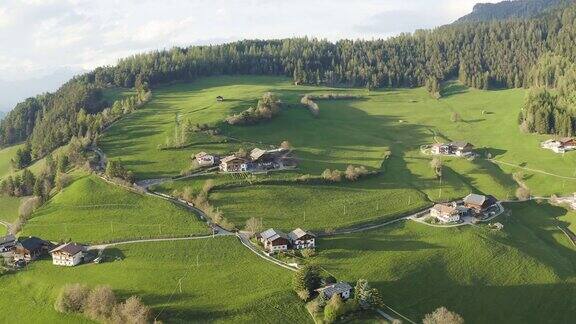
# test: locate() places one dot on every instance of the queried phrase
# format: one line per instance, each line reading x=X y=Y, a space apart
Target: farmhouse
x=274 y=240
x=233 y=163
x=69 y=254
x=479 y=203
x=7 y=243
x=445 y=213
x=561 y=145
x=302 y=239
x=30 y=249
x=341 y=288
x=204 y=159
x=453 y=148
x=268 y=159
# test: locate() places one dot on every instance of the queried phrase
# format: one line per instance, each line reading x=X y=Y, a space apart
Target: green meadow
x=207 y=280
x=9 y=208
x=91 y=210
x=6 y=155
x=525 y=271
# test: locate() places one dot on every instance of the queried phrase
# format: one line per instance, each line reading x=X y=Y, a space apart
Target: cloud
x=39 y=36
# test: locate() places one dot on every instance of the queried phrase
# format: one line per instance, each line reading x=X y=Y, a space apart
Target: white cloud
x=39 y=36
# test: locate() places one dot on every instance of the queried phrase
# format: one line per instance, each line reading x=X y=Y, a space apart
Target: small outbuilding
x=204 y=159
x=341 y=288
x=7 y=243
x=274 y=240
x=302 y=239
x=219 y=98
x=69 y=254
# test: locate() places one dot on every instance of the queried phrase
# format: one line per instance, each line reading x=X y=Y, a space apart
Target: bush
x=267 y=108
x=354 y=173
x=132 y=311
x=311 y=105
x=334 y=309
x=443 y=316
x=523 y=193
x=308 y=253
x=332 y=175
x=100 y=303
x=72 y=298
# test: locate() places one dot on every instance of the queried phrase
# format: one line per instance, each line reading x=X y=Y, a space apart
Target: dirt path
x=531 y=170
x=108 y=245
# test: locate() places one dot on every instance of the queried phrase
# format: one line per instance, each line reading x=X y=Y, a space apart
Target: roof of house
x=336 y=288
x=200 y=154
x=445 y=209
x=272 y=234
x=298 y=233
x=32 y=243
x=231 y=158
x=566 y=140
x=460 y=144
x=257 y=153
x=7 y=239
x=475 y=199
x=69 y=248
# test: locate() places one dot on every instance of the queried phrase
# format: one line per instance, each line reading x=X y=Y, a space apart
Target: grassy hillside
x=487 y=276
x=6 y=156
x=9 y=208
x=221 y=281
x=382 y=130
x=91 y=210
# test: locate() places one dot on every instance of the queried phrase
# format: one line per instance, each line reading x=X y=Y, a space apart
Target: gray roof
x=32 y=243
x=272 y=234
x=475 y=199
x=298 y=233
x=336 y=288
x=7 y=239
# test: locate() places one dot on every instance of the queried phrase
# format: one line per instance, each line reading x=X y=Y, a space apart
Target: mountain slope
x=510 y=10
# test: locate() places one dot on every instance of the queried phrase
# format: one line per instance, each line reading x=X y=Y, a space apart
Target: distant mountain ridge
x=511 y=10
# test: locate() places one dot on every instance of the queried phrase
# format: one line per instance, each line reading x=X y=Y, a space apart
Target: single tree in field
x=286 y=145
x=253 y=225
x=100 y=303
x=436 y=164
x=523 y=193
x=443 y=316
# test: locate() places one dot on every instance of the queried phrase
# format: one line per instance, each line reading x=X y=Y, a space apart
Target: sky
x=50 y=39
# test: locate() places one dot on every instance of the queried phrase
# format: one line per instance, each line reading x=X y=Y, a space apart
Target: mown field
x=6 y=155
x=221 y=281
x=9 y=209
x=91 y=210
x=522 y=274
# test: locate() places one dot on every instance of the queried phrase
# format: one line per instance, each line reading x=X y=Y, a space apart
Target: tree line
x=482 y=55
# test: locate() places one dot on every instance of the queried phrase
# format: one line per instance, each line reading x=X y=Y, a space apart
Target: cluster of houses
x=274 y=240
x=472 y=205
x=257 y=160
x=463 y=149
x=24 y=250
x=562 y=145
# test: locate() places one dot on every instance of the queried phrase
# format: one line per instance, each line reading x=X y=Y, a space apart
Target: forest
x=485 y=55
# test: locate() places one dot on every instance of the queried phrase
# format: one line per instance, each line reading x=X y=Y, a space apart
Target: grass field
x=91 y=210
x=6 y=156
x=9 y=208
x=523 y=274
x=221 y=281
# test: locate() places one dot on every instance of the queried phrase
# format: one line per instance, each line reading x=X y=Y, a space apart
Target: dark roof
x=460 y=144
x=32 y=243
x=69 y=248
x=336 y=288
x=7 y=239
x=298 y=233
x=272 y=234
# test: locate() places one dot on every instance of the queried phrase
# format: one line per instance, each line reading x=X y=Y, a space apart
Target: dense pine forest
x=485 y=55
